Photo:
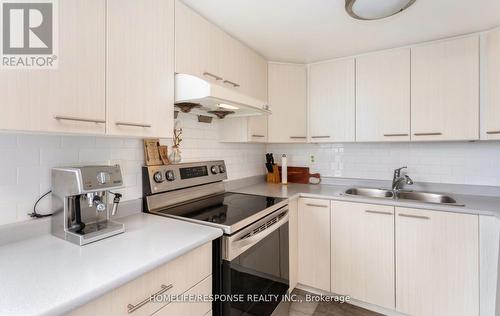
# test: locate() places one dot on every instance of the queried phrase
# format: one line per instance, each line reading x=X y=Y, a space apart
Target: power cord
x=35 y=214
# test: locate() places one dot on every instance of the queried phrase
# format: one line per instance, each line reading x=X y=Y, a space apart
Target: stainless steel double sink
x=414 y=196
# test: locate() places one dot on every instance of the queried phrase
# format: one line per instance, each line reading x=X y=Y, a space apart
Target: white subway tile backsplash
x=26 y=161
x=39 y=141
x=8 y=175
x=476 y=163
x=58 y=156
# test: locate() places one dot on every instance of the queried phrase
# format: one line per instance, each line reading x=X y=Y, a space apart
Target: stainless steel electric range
x=251 y=258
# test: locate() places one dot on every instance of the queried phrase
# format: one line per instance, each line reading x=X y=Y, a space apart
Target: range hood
x=193 y=94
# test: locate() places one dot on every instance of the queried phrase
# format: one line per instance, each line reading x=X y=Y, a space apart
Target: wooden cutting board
x=299 y=175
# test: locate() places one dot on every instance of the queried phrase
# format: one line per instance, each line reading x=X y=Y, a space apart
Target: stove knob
x=170 y=175
x=222 y=169
x=158 y=177
x=214 y=169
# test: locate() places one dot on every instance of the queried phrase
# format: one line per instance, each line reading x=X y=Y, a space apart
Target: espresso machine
x=81 y=201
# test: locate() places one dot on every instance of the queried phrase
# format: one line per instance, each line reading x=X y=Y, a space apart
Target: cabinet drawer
x=187 y=308
x=175 y=277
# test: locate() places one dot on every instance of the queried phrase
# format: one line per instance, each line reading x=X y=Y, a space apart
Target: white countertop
x=50 y=276
x=474 y=204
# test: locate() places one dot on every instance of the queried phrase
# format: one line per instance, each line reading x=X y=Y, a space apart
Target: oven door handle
x=250 y=240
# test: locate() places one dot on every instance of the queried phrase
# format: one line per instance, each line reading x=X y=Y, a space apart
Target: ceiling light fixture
x=375 y=10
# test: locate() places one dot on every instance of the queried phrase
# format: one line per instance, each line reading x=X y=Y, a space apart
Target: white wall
x=26 y=160
x=476 y=163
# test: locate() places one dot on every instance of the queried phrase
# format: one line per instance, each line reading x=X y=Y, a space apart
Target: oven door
x=255 y=266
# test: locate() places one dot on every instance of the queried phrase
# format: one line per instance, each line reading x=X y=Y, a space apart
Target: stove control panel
x=157 y=179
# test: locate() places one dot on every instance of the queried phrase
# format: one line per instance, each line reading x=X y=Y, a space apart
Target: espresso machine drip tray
x=96 y=231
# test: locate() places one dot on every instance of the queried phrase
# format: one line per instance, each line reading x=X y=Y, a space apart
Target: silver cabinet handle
x=208 y=74
x=316 y=205
x=320 y=136
x=132 y=124
x=133 y=308
x=79 y=119
x=378 y=212
x=427 y=134
x=234 y=84
x=413 y=216
x=298 y=137
x=394 y=135
x=493 y=132
x=258 y=136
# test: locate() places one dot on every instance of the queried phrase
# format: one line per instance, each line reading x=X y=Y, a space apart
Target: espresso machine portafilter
x=81 y=198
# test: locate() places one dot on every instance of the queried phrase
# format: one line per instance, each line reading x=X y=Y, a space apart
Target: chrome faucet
x=398 y=180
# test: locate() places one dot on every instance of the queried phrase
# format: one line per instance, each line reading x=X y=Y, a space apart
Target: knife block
x=274 y=177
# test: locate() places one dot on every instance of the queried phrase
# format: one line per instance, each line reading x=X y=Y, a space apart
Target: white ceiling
x=313 y=30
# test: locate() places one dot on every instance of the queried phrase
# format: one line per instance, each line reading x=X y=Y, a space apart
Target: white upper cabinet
x=287 y=99
x=331 y=101
x=244 y=129
x=196 y=41
x=445 y=90
x=70 y=98
x=204 y=50
x=492 y=115
x=140 y=82
x=383 y=96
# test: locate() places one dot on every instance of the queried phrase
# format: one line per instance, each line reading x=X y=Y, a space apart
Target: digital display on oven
x=193 y=172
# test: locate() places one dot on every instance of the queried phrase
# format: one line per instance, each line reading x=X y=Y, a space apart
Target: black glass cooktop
x=225 y=209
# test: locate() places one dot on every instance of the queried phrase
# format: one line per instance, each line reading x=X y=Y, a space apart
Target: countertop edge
x=416 y=205
x=334 y=192
x=96 y=293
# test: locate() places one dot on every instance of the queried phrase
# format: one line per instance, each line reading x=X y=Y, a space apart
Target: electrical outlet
x=312 y=158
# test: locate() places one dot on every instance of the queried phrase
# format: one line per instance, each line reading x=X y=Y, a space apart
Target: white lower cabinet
x=437 y=263
x=188 y=274
x=314 y=243
x=417 y=262
x=187 y=308
x=363 y=252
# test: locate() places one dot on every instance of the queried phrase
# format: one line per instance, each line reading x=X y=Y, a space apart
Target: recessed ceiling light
x=228 y=106
x=374 y=10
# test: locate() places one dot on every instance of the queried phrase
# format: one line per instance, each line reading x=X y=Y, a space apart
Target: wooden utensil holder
x=274 y=177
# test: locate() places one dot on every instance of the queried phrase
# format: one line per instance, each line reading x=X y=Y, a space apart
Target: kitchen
x=164 y=149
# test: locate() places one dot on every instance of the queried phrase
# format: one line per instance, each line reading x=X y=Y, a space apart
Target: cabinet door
x=314 y=243
x=195 y=42
x=255 y=76
x=244 y=129
x=287 y=99
x=437 y=270
x=190 y=308
x=59 y=99
x=445 y=90
x=383 y=96
x=140 y=82
x=257 y=129
x=363 y=252
x=492 y=116
x=232 y=61
x=331 y=101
